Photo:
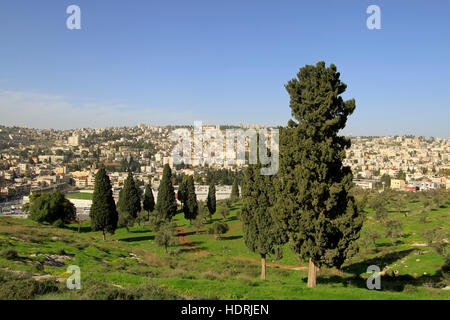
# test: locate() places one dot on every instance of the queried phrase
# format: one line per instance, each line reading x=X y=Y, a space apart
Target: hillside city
x=33 y=160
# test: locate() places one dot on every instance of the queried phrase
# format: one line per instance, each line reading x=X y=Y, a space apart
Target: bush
x=218 y=229
x=96 y=290
x=409 y=288
x=224 y=211
x=9 y=254
x=22 y=288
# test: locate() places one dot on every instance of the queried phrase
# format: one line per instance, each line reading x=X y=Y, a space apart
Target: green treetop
x=103 y=211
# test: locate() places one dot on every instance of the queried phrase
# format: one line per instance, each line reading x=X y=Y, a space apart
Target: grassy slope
x=80 y=195
x=195 y=275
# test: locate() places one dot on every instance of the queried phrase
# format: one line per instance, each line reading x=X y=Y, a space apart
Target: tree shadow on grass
x=83 y=229
x=213 y=220
x=140 y=231
x=232 y=218
x=232 y=237
x=381 y=261
x=389 y=282
x=189 y=233
x=133 y=239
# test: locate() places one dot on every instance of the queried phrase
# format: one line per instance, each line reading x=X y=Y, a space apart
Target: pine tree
x=149 y=201
x=261 y=233
x=313 y=203
x=129 y=203
x=190 y=206
x=235 y=190
x=211 y=200
x=166 y=203
x=103 y=211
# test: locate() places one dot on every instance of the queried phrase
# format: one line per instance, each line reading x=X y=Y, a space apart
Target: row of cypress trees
x=106 y=217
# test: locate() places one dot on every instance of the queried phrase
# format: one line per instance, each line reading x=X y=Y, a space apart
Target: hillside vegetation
x=130 y=265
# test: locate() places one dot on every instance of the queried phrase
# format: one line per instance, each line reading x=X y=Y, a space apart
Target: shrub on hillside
x=409 y=288
x=96 y=290
x=14 y=287
x=224 y=211
x=218 y=229
x=9 y=254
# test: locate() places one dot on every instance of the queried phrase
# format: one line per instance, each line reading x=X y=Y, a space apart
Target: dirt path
x=182 y=238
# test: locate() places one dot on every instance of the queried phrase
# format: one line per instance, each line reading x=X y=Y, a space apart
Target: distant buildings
x=74 y=140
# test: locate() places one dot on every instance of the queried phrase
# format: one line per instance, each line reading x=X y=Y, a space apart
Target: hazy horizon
x=176 y=62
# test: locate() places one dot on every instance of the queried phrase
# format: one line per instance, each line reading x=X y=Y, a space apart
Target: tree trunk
x=79 y=226
x=263 y=267
x=104 y=235
x=312 y=274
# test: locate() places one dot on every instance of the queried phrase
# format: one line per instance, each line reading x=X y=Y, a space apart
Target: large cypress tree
x=261 y=233
x=149 y=201
x=129 y=204
x=314 y=205
x=166 y=203
x=211 y=200
x=103 y=211
x=190 y=206
x=235 y=190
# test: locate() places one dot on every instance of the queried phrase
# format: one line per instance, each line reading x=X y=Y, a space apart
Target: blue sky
x=173 y=62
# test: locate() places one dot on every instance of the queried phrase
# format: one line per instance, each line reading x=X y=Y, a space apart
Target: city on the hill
x=33 y=160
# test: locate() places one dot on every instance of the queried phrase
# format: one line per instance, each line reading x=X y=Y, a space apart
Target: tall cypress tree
x=103 y=211
x=235 y=190
x=190 y=206
x=166 y=203
x=211 y=200
x=314 y=205
x=261 y=234
x=129 y=204
x=149 y=201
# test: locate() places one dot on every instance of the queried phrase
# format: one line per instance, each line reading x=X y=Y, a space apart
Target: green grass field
x=80 y=195
x=131 y=265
